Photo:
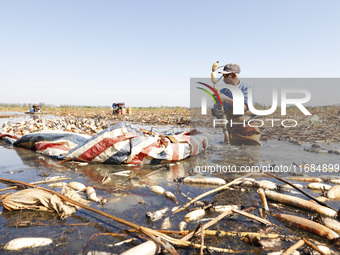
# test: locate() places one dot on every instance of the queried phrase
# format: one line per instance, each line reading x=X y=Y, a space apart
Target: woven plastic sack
x=40 y=200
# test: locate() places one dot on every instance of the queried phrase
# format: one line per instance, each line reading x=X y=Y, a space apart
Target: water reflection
x=271 y=153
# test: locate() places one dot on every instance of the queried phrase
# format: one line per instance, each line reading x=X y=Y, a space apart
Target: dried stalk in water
x=209 y=232
x=294 y=247
x=260 y=191
x=210 y=192
x=300 y=203
x=254 y=217
x=207 y=225
x=60 y=162
x=316 y=248
x=39 y=182
x=308 y=225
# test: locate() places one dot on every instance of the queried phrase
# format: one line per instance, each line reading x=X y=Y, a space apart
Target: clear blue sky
x=144 y=52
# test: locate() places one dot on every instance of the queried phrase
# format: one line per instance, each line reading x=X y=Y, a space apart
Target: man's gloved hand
x=218 y=113
x=216 y=99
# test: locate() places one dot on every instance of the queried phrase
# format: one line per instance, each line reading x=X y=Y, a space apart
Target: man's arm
x=230 y=101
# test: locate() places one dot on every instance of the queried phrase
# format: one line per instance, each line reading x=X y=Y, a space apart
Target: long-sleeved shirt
x=227 y=107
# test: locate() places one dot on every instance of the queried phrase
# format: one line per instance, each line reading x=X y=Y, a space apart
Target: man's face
x=228 y=78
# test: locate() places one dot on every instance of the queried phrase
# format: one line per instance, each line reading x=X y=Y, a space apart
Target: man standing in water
x=230 y=76
x=240 y=133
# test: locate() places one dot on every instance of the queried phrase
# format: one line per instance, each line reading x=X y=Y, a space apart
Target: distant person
x=238 y=134
x=114 y=108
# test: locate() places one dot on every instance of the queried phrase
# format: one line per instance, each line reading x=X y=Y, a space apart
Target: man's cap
x=231 y=68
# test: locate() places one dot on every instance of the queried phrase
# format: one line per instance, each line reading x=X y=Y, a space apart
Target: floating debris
x=325 y=250
x=263 y=198
x=72 y=194
x=77 y=186
x=305 y=179
x=171 y=196
x=182 y=225
x=335 y=181
x=106 y=179
x=321 y=199
x=282 y=251
x=123 y=173
x=308 y=225
x=265 y=184
x=204 y=180
x=27 y=242
x=160 y=191
x=316 y=150
x=57 y=185
x=175 y=208
x=125 y=241
x=194 y=215
x=54 y=178
x=300 y=203
x=36 y=199
x=157 y=215
x=166 y=224
x=334 y=192
x=298 y=185
x=157 y=189
x=332 y=224
x=146 y=248
x=92 y=195
x=248 y=182
x=318 y=186
x=223 y=208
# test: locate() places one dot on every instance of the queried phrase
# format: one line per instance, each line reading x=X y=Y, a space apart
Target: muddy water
x=130 y=198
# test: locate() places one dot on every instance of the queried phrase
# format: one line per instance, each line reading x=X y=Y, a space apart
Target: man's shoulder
x=243 y=84
x=224 y=90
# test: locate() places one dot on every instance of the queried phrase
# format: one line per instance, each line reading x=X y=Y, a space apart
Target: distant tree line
x=26 y=105
x=43 y=105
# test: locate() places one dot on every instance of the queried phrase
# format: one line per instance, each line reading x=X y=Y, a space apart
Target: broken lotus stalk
x=169 y=195
x=157 y=215
x=300 y=190
x=213 y=78
x=27 y=242
x=300 y=203
x=260 y=191
x=204 y=180
x=334 y=192
x=214 y=66
x=308 y=225
x=294 y=247
x=254 y=217
x=157 y=189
